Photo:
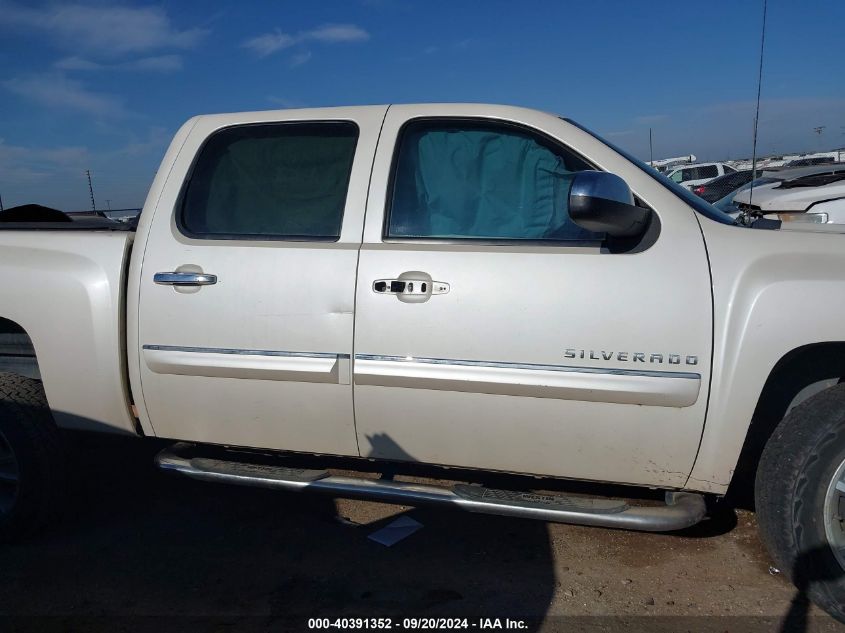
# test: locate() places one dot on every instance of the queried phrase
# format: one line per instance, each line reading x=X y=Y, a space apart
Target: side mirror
x=603 y=203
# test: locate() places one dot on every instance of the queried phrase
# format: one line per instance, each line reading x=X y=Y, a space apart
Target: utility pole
x=108 y=204
x=91 y=190
x=1 y=203
x=818 y=130
x=838 y=154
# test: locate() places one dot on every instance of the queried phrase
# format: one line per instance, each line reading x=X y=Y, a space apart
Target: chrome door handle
x=184 y=279
x=414 y=287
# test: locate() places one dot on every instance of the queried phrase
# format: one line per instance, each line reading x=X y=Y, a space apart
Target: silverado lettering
x=671 y=359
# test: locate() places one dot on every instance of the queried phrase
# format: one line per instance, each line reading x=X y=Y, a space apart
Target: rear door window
x=283 y=181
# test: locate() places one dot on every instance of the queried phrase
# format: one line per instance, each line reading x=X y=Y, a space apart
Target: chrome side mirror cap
x=603 y=203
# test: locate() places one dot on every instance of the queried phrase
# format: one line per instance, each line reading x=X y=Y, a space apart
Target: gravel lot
x=138 y=545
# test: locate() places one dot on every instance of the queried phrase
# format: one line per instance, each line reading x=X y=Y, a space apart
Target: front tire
x=800 y=498
x=32 y=462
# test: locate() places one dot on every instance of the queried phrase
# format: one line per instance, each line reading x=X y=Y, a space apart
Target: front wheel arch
x=794 y=373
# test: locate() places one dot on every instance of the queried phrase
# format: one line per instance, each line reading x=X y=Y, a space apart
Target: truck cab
x=303 y=310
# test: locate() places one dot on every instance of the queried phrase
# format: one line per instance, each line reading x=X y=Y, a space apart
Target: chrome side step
x=681 y=509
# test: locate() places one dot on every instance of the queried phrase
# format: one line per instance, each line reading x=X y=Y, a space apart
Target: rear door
x=247 y=282
x=493 y=333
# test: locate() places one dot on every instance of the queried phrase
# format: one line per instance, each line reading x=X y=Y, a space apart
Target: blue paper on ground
x=395 y=531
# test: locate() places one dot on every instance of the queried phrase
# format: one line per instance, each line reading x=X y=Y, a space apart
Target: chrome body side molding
x=622 y=386
x=245 y=363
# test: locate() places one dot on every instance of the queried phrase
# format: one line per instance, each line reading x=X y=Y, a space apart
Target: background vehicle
x=344 y=283
x=719 y=187
x=665 y=165
x=817 y=198
x=728 y=205
x=692 y=175
x=815 y=160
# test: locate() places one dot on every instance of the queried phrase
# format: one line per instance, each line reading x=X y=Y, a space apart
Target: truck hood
x=773 y=197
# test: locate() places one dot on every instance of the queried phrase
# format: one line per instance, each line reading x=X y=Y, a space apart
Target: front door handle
x=184 y=279
x=410 y=287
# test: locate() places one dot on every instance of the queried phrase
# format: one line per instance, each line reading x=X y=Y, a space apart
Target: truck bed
x=83 y=223
x=64 y=289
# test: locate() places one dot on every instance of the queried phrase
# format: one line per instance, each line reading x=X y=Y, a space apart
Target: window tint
x=729 y=169
x=278 y=181
x=480 y=180
x=708 y=171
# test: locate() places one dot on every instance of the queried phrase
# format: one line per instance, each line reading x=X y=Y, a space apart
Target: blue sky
x=103 y=86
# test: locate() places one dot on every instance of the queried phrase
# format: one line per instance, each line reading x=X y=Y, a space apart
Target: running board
x=681 y=510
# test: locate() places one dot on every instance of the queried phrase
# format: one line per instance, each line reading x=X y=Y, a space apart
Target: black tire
x=38 y=459
x=795 y=471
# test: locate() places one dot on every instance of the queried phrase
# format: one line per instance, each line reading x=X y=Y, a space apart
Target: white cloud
x=285 y=103
x=300 y=58
x=57 y=91
x=337 y=33
x=20 y=165
x=269 y=43
x=650 y=118
x=55 y=176
x=77 y=63
x=104 y=30
x=155 y=142
x=160 y=63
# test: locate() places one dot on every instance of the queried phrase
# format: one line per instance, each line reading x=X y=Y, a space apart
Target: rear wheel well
x=17 y=353
x=10 y=327
x=798 y=375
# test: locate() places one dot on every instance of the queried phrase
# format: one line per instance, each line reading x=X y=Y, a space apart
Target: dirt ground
x=140 y=549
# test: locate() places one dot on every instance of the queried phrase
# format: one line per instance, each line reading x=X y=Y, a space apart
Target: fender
x=773 y=292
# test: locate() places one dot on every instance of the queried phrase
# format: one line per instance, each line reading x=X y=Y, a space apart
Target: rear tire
x=800 y=507
x=32 y=461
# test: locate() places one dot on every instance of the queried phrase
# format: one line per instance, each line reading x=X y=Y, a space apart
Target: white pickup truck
x=487 y=288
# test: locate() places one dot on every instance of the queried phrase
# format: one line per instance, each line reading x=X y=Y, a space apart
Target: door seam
x=355 y=287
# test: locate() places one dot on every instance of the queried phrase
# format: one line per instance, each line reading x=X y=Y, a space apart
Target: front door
x=494 y=333
x=247 y=285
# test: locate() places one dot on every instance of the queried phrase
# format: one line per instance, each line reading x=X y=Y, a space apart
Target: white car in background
x=691 y=175
x=815 y=198
x=730 y=204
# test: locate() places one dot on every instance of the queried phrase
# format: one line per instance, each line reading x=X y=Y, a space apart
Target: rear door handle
x=184 y=279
